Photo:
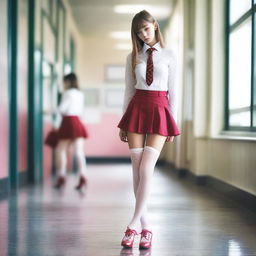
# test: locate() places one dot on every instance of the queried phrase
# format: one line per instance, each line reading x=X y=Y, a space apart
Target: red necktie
x=150 y=66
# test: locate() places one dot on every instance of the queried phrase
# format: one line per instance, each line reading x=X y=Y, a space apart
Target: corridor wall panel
x=22 y=84
x=3 y=91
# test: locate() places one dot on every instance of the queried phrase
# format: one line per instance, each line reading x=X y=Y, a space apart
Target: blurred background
x=214 y=41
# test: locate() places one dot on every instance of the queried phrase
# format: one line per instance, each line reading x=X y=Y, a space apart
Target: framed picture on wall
x=92 y=97
x=114 y=97
x=114 y=73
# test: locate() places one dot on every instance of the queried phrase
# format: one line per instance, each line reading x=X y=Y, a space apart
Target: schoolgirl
x=71 y=131
x=150 y=115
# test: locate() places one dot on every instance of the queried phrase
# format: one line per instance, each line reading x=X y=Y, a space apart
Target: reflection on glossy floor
x=187 y=219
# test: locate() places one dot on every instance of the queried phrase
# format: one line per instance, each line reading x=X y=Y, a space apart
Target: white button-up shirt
x=72 y=103
x=164 y=75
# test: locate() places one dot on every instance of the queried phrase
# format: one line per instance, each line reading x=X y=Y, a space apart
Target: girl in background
x=150 y=115
x=71 y=131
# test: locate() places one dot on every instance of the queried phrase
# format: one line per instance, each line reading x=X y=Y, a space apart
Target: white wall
x=204 y=148
x=174 y=39
x=93 y=53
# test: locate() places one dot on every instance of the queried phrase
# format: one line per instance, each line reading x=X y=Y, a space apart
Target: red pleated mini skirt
x=148 y=113
x=71 y=128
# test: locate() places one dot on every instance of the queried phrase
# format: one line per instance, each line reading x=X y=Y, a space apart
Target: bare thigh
x=155 y=141
x=62 y=145
x=136 y=140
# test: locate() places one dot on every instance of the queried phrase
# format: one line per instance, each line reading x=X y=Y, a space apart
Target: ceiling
x=97 y=17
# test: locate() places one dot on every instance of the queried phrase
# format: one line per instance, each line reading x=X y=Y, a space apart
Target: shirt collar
x=157 y=46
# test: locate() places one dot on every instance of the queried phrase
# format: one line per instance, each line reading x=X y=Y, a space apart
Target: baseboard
x=4 y=184
x=23 y=179
x=4 y=187
x=242 y=197
x=107 y=160
x=115 y=160
x=237 y=195
x=198 y=179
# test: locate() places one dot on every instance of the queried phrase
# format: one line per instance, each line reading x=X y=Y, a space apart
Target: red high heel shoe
x=60 y=182
x=146 y=239
x=82 y=183
x=128 y=238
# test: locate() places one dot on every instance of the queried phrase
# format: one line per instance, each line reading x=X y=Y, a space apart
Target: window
x=241 y=76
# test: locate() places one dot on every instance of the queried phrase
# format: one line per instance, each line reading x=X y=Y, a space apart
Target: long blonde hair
x=137 y=43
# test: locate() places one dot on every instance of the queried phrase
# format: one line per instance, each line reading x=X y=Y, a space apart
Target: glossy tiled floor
x=188 y=220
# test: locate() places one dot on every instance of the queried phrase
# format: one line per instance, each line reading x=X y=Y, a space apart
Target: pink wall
x=4 y=134
x=47 y=151
x=104 y=139
x=4 y=113
x=22 y=87
x=22 y=134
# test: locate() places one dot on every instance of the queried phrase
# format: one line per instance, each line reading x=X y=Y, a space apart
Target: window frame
x=229 y=28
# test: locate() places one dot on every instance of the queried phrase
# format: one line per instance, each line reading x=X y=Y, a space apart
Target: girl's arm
x=58 y=111
x=130 y=82
x=64 y=103
x=61 y=108
x=173 y=86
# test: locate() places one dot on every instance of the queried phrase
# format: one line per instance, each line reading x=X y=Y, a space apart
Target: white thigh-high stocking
x=136 y=155
x=147 y=166
x=80 y=156
x=61 y=157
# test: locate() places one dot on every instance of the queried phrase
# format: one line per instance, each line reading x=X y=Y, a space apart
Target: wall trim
x=107 y=160
x=233 y=193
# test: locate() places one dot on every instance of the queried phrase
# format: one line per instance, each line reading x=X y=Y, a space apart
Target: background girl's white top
x=72 y=103
x=164 y=75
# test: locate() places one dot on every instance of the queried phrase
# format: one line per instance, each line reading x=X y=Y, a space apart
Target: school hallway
x=203 y=198
x=187 y=219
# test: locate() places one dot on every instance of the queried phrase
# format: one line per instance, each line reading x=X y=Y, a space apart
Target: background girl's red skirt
x=71 y=128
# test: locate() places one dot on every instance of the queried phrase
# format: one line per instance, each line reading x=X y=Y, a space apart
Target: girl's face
x=66 y=85
x=147 y=33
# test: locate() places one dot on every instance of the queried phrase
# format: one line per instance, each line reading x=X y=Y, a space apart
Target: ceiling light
x=158 y=11
x=121 y=34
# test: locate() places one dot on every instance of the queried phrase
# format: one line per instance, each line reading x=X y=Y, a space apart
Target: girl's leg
x=136 y=155
x=150 y=155
x=136 y=143
x=80 y=156
x=61 y=157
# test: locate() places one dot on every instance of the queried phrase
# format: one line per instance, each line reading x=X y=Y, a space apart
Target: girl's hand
x=123 y=136
x=170 y=138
